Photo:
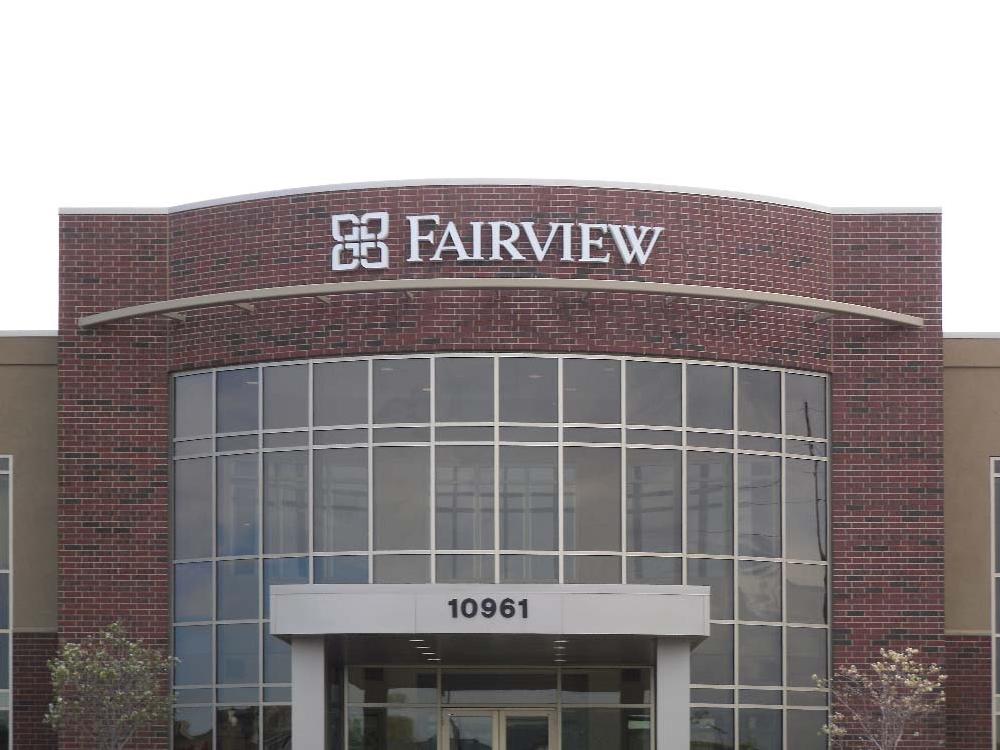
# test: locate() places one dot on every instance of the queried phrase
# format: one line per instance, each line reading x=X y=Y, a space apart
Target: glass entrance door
x=504 y=729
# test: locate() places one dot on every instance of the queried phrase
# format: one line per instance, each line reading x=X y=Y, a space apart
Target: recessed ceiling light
x=560 y=640
x=416 y=640
x=435 y=659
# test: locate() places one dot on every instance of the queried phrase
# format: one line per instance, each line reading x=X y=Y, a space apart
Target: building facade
x=485 y=465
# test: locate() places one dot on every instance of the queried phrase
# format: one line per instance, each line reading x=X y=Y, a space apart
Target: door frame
x=499 y=715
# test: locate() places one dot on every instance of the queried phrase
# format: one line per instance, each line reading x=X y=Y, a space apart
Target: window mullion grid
x=560 y=504
x=369 y=367
x=310 y=483
x=735 y=550
x=258 y=561
x=496 y=469
x=432 y=473
x=623 y=490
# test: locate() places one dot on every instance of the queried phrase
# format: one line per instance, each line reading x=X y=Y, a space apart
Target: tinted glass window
x=654 y=500
x=654 y=393
x=341 y=569
x=401 y=390
x=806 y=593
x=340 y=499
x=592 y=569
x=710 y=503
x=528 y=492
x=712 y=659
x=591 y=390
x=286 y=502
x=805 y=510
x=193 y=649
x=712 y=728
x=237 y=505
x=760 y=401
x=710 y=397
x=192 y=508
x=192 y=592
x=717 y=574
x=760 y=728
x=286 y=396
x=401 y=497
x=237 y=653
x=760 y=591
x=760 y=506
x=805 y=405
x=463 y=389
x=463 y=480
x=655 y=570
x=806 y=655
x=592 y=516
x=340 y=393
x=464 y=569
x=279 y=571
x=193 y=405
x=760 y=655
x=529 y=569
x=805 y=730
x=237 y=589
x=236 y=400
x=402 y=569
x=528 y=391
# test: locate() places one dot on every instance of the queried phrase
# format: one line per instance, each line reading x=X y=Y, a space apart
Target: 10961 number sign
x=488 y=607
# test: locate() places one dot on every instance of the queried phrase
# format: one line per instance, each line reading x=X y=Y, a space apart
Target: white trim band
x=825 y=308
x=494 y=182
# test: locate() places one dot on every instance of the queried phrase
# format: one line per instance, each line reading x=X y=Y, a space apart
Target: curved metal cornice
x=245 y=298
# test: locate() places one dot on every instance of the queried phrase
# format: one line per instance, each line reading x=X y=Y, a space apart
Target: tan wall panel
x=28 y=433
x=971 y=436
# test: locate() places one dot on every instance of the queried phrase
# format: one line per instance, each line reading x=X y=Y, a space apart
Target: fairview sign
x=360 y=241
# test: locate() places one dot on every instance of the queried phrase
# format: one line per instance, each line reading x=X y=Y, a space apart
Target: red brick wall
x=32 y=690
x=888 y=535
x=967 y=665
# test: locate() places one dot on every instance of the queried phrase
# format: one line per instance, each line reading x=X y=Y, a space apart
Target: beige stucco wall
x=971 y=437
x=28 y=433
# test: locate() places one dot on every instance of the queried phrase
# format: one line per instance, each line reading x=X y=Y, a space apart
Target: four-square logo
x=364 y=235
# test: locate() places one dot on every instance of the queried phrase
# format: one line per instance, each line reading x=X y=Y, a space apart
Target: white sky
x=842 y=104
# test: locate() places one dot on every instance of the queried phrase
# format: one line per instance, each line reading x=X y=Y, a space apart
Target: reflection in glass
x=805 y=509
x=391 y=685
x=760 y=400
x=277 y=727
x=463 y=481
x=341 y=569
x=526 y=732
x=528 y=390
x=606 y=686
x=193 y=405
x=237 y=728
x=402 y=569
x=528 y=492
x=760 y=591
x=237 y=505
x=469 y=732
x=710 y=503
x=401 y=390
x=653 y=393
x=340 y=393
x=286 y=396
x=391 y=728
x=806 y=593
x=592 y=391
x=592 y=514
x=192 y=592
x=805 y=730
x=340 y=499
x=517 y=688
x=193 y=650
x=192 y=532
x=463 y=389
x=760 y=729
x=805 y=405
x=600 y=728
x=712 y=728
x=760 y=506
x=237 y=653
x=664 y=571
x=464 y=568
x=717 y=574
x=236 y=400
x=237 y=589
x=286 y=502
x=400 y=497
x=529 y=569
x=760 y=655
x=710 y=397
x=653 y=500
x=806 y=656
x=712 y=659
x=193 y=728
x=592 y=569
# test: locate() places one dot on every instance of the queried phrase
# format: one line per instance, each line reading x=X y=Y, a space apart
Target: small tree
x=108 y=687
x=886 y=703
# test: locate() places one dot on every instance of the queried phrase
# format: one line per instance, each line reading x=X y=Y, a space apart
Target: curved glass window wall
x=505 y=468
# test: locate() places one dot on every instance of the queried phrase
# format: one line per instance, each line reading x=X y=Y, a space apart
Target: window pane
x=606 y=686
x=592 y=499
x=760 y=655
x=710 y=503
x=236 y=728
x=237 y=653
x=237 y=501
x=341 y=569
x=192 y=507
x=286 y=502
x=805 y=405
x=340 y=393
x=236 y=400
x=280 y=571
x=718 y=574
x=653 y=393
x=528 y=389
x=712 y=659
x=237 y=589
x=5 y=521
x=760 y=591
x=602 y=728
x=655 y=570
x=805 y=509
x=760 y=506
x=277 y=658
x=402 y=569
x=806 y=656
x=528 y=492
x=528 y=569
x=193 y=405
x=286 y=396
x=277 y=727
x=401 y=498
x=653 y=497
x=760 y=401
x=392 y=728
x=805 y=730
x=391 y=685
x=806 y=593
x=710 y=397
x=592 y=391
x=463 y=389
x=464 y=568
x=592 y=569
x=760 y=729
x=492 y=688
x=401 y=390
x=712 y=729
x=192 y=592
x=340 y=499
x=193 y=728
x=193 y=649
x=463 y=480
